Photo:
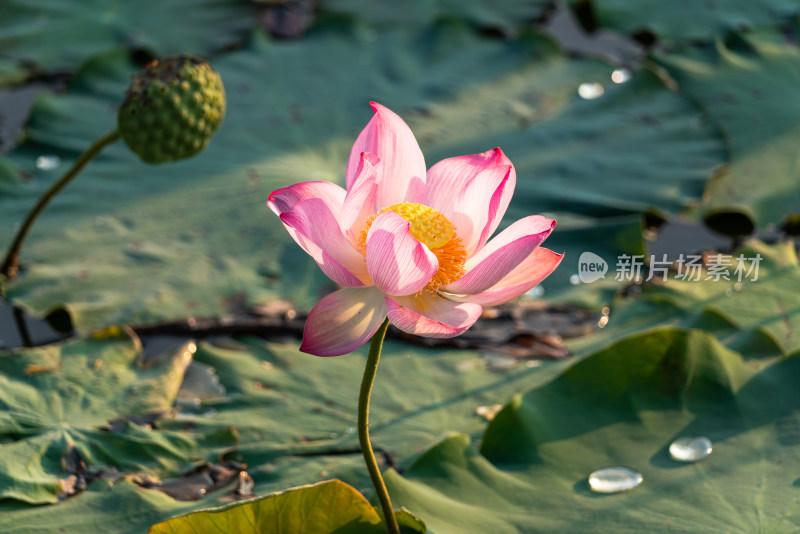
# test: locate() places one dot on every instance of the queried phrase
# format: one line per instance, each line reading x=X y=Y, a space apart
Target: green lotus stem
x=363 y=427
x=11 y=260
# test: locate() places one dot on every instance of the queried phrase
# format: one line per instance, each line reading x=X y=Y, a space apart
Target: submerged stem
x=363 y=427
x=11 y=260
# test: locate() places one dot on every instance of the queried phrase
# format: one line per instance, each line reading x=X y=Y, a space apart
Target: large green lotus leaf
x=759 y=316
x=623 y=406
x=509 y=17
x=125 y=507
x=194 y=238
x=118 y=507
x=62 y=34
x=746 y=83
x=330 y=507
x=296 y=414
x=63 y=397
x=587 y=160
x=683 y=20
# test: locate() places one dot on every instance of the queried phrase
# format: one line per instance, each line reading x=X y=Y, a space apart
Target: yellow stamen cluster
x=432 y=229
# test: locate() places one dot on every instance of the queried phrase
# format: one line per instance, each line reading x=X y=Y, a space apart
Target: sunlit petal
x=317 y=231
x=431 y=316
x=502 y=255
x=402 y=176
x=527 y=275
x=343 y=321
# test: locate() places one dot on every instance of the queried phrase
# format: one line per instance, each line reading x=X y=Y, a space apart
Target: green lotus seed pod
x=165 y=105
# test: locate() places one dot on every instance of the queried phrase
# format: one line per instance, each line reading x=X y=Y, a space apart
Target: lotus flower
x=411 y=244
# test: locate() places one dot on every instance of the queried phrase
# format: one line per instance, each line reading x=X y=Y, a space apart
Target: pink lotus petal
x=527 y=275
x=479 y=204
x=403 y=166
x=397 y=263
x=473 y=192
x=502 y=255
x=431 y=316
x=282 y=200
x=359 y=203
x=343 y=321
x=311 y=223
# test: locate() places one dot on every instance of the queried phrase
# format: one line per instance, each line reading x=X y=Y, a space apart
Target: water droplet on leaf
x=614 y=479
x=47 y=163
x=590 y=91
x=620 y=76
x=690 y=449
